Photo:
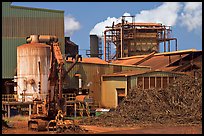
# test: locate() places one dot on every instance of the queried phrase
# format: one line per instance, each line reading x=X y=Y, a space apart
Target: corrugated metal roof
x=129 y=60
x=157 y=61
x=93 y=60
x=178 y=52
x=160 y=62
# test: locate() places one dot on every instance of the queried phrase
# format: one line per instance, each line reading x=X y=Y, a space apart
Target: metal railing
x=69 y=97
x=9 y=97
x=15 y=97
x=22 y=97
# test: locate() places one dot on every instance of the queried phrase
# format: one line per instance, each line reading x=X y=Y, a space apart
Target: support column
x=121 y=42
x=65 y=109
x=9 y=111
x=104 y=45
x=5 y=108
x=149 y=83
x=75 y=109
x=29 y=109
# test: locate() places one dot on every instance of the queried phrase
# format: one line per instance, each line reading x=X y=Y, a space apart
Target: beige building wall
x=109 y=98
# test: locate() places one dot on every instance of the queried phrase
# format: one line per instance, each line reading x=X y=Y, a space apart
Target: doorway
x=120 y=94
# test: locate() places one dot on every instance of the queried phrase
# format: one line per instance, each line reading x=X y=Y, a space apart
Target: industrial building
x=20 y=22
x=115 y=87
x=91 y=71
x=137 y=60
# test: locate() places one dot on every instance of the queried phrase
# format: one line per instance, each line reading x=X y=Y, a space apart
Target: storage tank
x=33 y=63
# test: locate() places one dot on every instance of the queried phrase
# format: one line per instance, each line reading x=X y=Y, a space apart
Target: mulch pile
x=179 y=103
x=73 y=129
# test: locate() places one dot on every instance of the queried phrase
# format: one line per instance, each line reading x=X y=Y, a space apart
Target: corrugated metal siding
x=9 y=55
x=19 y=23
x=19 y=11
x=25 y=26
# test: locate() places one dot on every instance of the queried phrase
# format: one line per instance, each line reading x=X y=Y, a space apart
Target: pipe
x=41 y=39
x=39 y=82
x=60 y=81
x=164 y=40
x=34 y=38
x=105 y=45
x=121 y=43
x=176 y=45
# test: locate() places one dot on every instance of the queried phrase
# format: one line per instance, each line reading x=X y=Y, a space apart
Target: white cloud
x=71 y=25
x=187 y=14
x=191 y=16
x=100 y=27
x=165 y=14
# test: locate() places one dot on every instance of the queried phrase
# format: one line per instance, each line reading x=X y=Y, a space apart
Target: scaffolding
x=131 y=38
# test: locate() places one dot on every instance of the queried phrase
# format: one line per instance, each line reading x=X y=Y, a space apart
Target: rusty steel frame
x=115 y=34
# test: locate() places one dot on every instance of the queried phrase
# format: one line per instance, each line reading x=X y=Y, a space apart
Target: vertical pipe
x=65 y=110
x=39 y=83
x=80 y=82
x=5 y=108
x=29 y=109
x=9 y=111
x=176 y=45
x=164 y=39
x=75 y=109
x=168 y=46
x=104 y=45
x=60 y=82
x=121 y=42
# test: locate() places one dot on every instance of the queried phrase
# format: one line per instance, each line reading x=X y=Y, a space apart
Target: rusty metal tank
x=33 y=63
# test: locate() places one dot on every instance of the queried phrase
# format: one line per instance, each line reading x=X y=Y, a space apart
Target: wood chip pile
x=179 y=103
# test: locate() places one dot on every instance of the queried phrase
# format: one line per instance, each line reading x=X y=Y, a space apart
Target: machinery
x=46 y=111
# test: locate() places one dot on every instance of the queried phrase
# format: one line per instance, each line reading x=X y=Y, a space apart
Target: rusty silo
x=33 y=63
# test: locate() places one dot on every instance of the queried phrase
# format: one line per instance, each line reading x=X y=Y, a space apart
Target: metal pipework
x=41 y=39
x=104 y=45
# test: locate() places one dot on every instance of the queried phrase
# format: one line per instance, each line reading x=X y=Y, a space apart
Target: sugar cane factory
x=44 y=75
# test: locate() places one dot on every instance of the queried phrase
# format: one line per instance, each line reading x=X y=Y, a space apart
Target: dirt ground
x=20 y=127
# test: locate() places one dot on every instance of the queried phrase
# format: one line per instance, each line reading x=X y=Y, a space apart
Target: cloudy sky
x=85 y=18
